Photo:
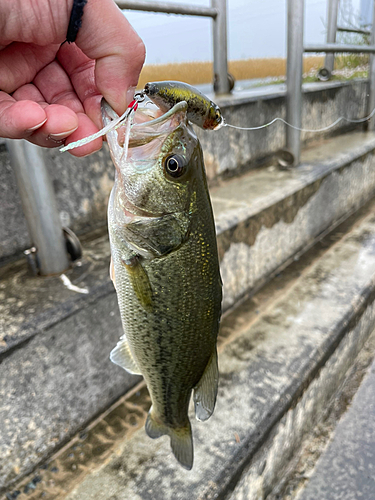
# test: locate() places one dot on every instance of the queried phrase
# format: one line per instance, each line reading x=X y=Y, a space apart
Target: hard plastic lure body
x=200 y=109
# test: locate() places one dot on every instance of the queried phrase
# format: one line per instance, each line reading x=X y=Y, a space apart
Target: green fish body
x=166 y=273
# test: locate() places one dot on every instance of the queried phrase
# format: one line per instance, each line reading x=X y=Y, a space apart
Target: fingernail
x=62 y=135
x=36 y=126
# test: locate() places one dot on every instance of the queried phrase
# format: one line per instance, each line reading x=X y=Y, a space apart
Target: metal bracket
x=73 y=245
x=285 y=159
x=73 y=248
x=31 y=255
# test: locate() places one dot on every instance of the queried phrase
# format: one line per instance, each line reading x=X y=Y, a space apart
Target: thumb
x=107 y=37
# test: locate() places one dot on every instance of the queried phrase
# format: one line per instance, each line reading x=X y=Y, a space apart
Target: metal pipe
x=167 y=8
x=39 y=206
x=365 y=13
x=354 y=30
x=294 y=77
x=371 y=75
x=221 y=81
x=333 y=47
x=333 y=10
x=217 y=11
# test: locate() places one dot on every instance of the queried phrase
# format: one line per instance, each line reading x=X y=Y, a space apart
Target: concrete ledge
x=262 y=219
x=56 y=382
x=277 y=377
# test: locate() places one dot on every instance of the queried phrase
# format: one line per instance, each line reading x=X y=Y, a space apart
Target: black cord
x=75 y=21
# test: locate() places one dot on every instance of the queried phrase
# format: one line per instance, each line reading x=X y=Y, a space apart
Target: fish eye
x=175 y=165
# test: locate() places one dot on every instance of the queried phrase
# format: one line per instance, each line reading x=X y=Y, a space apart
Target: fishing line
x=115 y=124
x=139 y=97
x=323 y=129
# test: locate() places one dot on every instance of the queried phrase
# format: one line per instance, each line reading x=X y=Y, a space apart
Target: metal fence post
x=294 y=77
x=332 y=14
x=371 y=97
x=39 y=206
x=221 y=82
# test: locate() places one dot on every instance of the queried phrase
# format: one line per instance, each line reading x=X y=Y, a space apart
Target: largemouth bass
x=166 y=271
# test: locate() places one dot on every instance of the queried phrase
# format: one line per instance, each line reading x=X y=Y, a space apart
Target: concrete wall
x=83 y=185
x=228 y=149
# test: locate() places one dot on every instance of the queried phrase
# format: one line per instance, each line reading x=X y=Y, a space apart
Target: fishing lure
x=200 y=109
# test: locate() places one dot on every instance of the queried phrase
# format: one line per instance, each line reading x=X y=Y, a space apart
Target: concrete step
x=283 y=355
x=268 y=216
x=346 y=468
x=82 y=186
x=54 y=371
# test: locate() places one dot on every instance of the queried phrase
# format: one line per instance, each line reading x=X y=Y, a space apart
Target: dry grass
x=201 y=72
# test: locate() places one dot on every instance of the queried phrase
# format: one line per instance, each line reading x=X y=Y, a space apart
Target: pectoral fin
x=139 y=280
x=122 y=356
x=206 y=390
x=112 y=273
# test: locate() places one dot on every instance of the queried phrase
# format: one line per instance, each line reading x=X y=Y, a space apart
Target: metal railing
x=295 y=51
x=325 y=73
x=349 y=29
x=36 y=190
x=35 y=187
x=217 y=12
x=332 y=15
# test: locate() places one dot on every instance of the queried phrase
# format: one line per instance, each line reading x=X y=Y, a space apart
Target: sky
x=256 y=29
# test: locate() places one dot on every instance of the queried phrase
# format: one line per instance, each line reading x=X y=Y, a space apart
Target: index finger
x=18 y=120
x=107 y=37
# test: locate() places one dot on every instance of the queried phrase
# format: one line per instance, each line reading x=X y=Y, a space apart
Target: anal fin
x=205 y=391
x=122 y=356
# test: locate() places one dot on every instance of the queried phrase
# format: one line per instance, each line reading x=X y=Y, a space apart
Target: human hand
x=50 y=94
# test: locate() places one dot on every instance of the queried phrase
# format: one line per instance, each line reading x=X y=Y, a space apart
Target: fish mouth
x=147 y=135
x=148 y=124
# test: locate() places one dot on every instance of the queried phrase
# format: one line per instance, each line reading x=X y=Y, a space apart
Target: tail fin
x=182 y=445
x=181 y=439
